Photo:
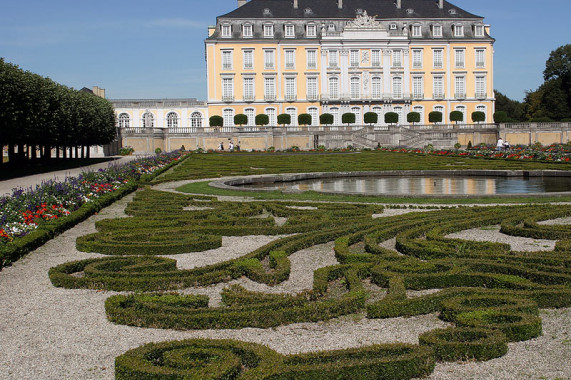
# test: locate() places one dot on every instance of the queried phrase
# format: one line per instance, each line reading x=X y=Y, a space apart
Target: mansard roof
x=328 y=9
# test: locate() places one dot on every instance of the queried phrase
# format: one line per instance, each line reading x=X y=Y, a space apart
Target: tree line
x=38 y=115
x=551 y=101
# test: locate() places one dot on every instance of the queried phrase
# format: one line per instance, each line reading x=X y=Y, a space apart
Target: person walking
x=500 y=145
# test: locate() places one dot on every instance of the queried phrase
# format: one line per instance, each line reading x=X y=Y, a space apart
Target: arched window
x=334 y=87
x=399 y=111
x=314 y=112
x=441 y=110
x=335 y=112
x=228 y=115
x=397 y=88
x=251 y=114
x=272 y=116
x=123 y=121
x=355 y=87
x=148 y=120
x=196 y=120
x=377 y=87
x=292 y=112
x=420 y=110
x=172 y=120
x=379 y=112
x=357 y=112
x=463 y=110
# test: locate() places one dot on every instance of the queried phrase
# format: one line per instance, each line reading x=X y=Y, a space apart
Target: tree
x=326 y=119
x=284 y=118
x=456 y=116
x=478 y=116
x=413 y=117
x=304 y=119
x=240 y=119
x=391 y=118
x=348 y=118
x=500 y=117
x=371 y=118
x=515 y=110
x=216 y=121
x=262 y=119
x=435 y=117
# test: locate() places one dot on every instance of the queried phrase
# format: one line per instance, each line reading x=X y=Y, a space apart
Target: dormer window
x=308 y=11
x=359 y=11
x=409 y=11
x=311 y=30
x=458 y=30
x=268 y=31
x=452 y=11
x=393 y=27
x=479 y=30
x=437 y=31
x=226 y=30
x=289 y=31
x=267 y=12
x=416 y=31
x=247 y=31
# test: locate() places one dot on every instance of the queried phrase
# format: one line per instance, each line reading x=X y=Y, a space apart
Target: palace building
x=349 y=56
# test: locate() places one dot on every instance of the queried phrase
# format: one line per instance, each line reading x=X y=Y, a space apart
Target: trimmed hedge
x=228 y=359
x=517 y=326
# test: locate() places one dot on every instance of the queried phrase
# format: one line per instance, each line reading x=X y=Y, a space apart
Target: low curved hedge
x=499 y=303
x=516 y=326
x=463 y=343
x=228 y=359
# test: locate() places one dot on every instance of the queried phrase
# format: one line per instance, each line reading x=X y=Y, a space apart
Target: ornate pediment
x=364 y=21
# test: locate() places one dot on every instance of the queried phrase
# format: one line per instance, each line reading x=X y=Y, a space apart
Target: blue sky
x=155 y=49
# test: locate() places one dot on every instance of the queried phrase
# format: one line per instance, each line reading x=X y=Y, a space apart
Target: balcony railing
x=460 y=95
x=226 y=66
x=227 y=98
x=480 y=95
x=290 y=97
x=290 y=65
x=312 y=97
x=438 y=95
x=249 y=98
x=418 y=96
x=270 y=98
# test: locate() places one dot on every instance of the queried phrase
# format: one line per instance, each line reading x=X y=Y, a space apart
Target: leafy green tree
x=514 y=110
x=348 y=118
x=435 y=117
x=413 y=117
x=284 y=118
x=240 y=119
x=391 y=118
x=216 y=121
x=500 y=117
x=478 y=116
x=262 y=119
x=456 y=116
x=371 y=118
x=326 y=119
x=304 y=119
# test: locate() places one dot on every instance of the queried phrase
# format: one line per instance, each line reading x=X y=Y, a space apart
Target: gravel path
x=53 y=333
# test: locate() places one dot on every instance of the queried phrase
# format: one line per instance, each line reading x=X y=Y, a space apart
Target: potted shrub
x=435 y=117
x=284 y=118
x=370 y=118
x=391 y=118
x=413 y=117
x=348 y=118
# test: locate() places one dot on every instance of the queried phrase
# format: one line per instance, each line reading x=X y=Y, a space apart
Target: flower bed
x=44 y=206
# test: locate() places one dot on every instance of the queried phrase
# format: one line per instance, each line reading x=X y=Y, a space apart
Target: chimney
x=399 y=4
x=241 y=2
x=295 y=4
x=340 y=4
x=440 y=4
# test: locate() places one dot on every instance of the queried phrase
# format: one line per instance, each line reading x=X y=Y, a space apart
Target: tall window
x=438 y=87
x=228 y=115
x=479 y=30
x=312 y=88
x=172 y=120
x=463 y=110
x=251 y=115
x=399 y=111
x=397 y=58
x=355 y=88
x=354 y=58
x=481 y=108
x=311 y=59
x=248 y=89
x=292 y=112
x=438 y=62
x=313 y=111
x=459 y=58
x=227 y=89
x=420 y=110
x=148 y=120
x=334 y=87
x=289 y=31
x=437 y=31
x=458 y=31
x=123 y=120
x=379 y=112
x=376 y=87
x=397 y=88
x=226 y=59
x=226 y=30
x=290 y=90
x=268 y=31
x=417 y=87
x=417 y=59
x=247 y=31
x=335 y=112
x=376 y=58
x=270 y=88
x=480 y=86
x=248 y=59
x=290 y=59
x=480 y=58
x=333 y=58
x=357 y=112
x=416 y=31
x=460 y=84
x=269 y=58
x=196 y=120
x=311 y=30
x=441 y=110
x=271 y=112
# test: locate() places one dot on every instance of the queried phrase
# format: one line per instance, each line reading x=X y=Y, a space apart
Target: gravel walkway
x=53 y=333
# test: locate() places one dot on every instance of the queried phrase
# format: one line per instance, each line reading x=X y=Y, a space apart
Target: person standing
x=500 y=144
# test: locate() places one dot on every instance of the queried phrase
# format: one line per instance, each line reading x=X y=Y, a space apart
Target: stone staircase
x=411 y=139
x=362 y=138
